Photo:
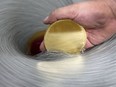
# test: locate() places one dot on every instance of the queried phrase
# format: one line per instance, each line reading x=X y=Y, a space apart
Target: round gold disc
x=65 y=36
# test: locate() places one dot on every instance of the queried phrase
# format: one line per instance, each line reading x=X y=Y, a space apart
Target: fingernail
x=45 y=20
x=42 y=47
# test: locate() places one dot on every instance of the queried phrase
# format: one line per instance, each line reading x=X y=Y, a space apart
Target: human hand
x=95 y=16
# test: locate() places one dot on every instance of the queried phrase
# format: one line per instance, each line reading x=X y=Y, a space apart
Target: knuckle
x=54 y=12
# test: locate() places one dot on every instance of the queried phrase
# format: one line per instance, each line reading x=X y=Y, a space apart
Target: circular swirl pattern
x=19 y=19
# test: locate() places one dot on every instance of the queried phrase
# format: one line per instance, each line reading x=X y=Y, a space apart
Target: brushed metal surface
x=19 y=19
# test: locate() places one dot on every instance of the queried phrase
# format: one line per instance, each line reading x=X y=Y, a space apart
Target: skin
x=96 y=16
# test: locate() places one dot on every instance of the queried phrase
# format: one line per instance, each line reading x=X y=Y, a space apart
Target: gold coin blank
x=65 y=36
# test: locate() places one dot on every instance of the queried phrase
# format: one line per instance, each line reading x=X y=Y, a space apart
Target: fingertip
x=42 y=47
x=46 y=20
x=49 y=20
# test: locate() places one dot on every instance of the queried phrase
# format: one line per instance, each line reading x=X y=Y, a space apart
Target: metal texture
x=19 y=19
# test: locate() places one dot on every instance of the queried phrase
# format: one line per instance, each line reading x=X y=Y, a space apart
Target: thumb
x=42 y=47
x=68 y=12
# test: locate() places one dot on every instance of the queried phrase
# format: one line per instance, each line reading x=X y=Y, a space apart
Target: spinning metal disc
x=19 y=20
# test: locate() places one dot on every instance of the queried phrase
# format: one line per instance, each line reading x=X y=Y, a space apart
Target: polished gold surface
x=65 y=36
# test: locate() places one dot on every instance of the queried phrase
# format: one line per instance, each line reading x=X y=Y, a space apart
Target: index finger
x=68 y=12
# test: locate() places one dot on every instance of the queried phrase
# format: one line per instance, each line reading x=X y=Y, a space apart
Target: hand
x=95 y=16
